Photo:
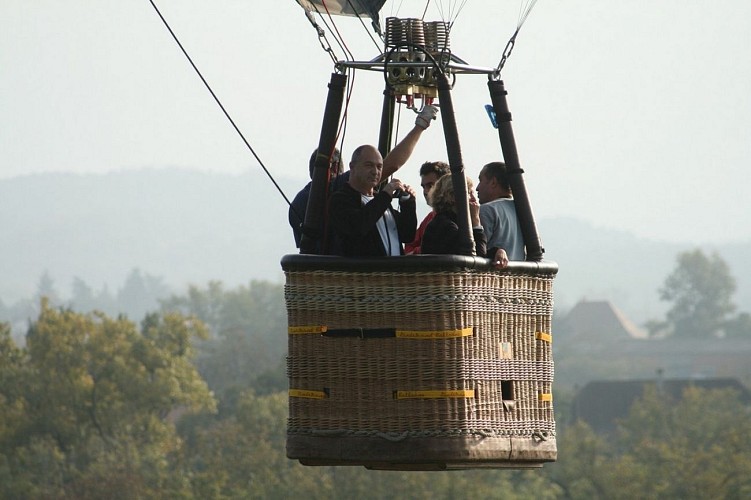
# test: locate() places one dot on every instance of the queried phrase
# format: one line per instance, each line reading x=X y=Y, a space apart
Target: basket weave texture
x=505 y=363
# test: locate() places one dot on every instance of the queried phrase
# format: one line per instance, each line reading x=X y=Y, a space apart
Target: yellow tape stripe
x=302 y=393
x=546 y=396
x=545 y=337
x=296 y=330
x=467 y=393
x=434 y=334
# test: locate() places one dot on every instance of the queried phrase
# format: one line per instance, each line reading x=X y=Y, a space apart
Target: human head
x=430 y=172
x=365 y=169
x=494 y=182
x=442 y=195
x=335 y=167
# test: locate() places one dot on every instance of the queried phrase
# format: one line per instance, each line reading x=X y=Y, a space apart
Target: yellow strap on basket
x=545 y=337
x=545 y=396
x=304 y=393
x=434 y=334
x=296 y=330
x=461 y=393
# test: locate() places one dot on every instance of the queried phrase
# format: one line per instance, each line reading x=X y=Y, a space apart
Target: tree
x=140 y=294
x=696 y=447
x=86 y=406
x=82 y=298
x=46 y=289
x=243 y=456
x=249 y=335
x=693 y=446
x=13 y=376
x=700 y=289
x=583 y=462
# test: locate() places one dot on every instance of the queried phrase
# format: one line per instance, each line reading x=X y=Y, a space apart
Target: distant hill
x=184 y=226
x=192 y=227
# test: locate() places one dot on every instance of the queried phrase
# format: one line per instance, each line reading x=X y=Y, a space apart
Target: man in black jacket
x=363 y=219
x=393 y=161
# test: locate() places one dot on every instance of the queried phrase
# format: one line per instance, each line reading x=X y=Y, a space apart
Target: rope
x=335 y=31
x=425 y=11
x=221 y=106
x=450 y=12
x=325 y=45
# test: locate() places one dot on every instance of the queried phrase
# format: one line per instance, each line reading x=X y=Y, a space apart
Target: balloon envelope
x=368 y=8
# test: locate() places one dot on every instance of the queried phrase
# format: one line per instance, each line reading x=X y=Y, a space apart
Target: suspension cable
x=221 y=106
x=523 y=14
x=398 y=123
x=335 y=31
x=325 y=45
x=425 y=10
x=345 y=116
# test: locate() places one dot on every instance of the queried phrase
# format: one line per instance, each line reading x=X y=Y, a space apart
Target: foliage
x=249 y=335
x=87 y=410
x=139 y=294
x=700 y=290
x=46 y=289
x=582 y=465
x=13 y=375
x=244 y=457
x=695 y=447
x=85 y=405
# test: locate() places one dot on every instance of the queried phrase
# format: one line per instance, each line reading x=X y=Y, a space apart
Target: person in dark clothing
x=362 y=218
x=299 y=204
x=442 y=233
x=393 y=162
x=430 y=172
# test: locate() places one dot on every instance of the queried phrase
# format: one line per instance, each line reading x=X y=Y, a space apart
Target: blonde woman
x=442 y=234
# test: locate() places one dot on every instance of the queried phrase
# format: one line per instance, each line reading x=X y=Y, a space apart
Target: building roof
x=599 y=319
x=601 y=403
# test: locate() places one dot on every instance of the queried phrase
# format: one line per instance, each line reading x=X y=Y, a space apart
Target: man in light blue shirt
x=498 y=212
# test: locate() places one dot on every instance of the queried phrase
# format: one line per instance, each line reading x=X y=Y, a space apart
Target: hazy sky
x=629 y=114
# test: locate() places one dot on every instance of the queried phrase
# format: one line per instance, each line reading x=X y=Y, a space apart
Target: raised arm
x=402 y=151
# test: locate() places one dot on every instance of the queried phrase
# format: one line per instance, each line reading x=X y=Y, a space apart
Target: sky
x=631 y=115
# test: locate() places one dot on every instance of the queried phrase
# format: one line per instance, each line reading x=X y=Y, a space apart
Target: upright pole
x=458 y=179
x=387 y=121
x=511 y=158
x=312 y=229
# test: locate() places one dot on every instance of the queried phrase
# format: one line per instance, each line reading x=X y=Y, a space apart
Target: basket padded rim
x=406 y=263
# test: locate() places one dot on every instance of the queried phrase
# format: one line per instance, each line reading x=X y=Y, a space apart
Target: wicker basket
x=419 y=362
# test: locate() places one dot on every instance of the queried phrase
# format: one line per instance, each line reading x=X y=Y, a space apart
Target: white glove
x=427 y=114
